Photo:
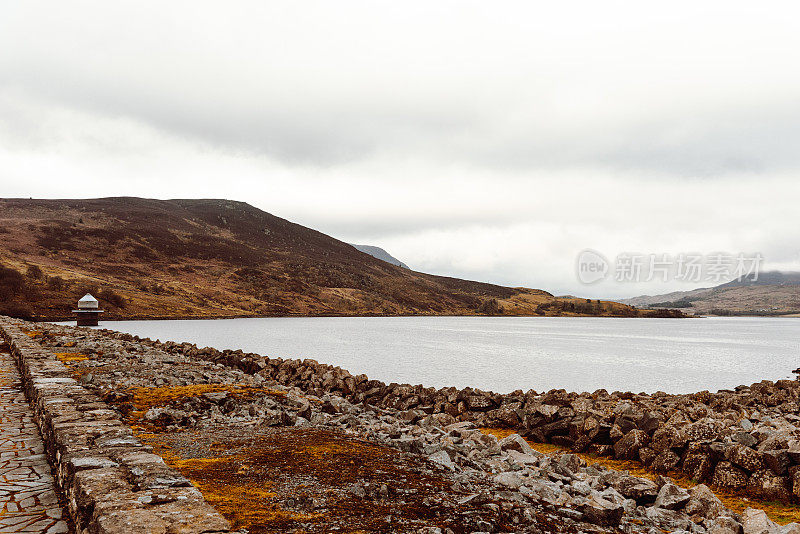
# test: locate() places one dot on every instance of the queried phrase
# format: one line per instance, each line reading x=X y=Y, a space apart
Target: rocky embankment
x=742 y=439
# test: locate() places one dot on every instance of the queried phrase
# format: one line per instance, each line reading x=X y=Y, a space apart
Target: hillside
x=772 y=293
x=219 y=258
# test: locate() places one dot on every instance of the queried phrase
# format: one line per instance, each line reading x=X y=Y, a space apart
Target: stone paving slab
x=28 y=499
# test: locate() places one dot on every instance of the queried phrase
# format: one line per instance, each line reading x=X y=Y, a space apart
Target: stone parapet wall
x=111 y=482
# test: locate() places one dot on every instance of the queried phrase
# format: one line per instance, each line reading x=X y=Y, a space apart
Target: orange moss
x=68 y=357
x=223 y=486
x=248 y=477
x=779 y=512
x=146 y=398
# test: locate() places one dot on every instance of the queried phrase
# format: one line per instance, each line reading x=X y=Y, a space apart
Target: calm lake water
x=503 y=354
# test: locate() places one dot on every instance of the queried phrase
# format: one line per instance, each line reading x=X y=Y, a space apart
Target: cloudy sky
x=487 y=140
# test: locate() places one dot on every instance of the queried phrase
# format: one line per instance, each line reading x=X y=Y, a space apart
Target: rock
x=357 y=490
x=778 y=461
x=725 y=525
x=703 y=502
x=698 y=466
x=650 y=422
x=665 y=438
x=515 y=442
x=443 y=459
x=757 y=522
x=745 y=439
x=479 y=402
x=767 y=485
x=628 y=447
x=509 y=480
x=729 y=477
x=570 y=462
x=440 y=420
x=640 y=489
x=795 y=478
x=671 y=497
x=668 y=519
x=745 y=457
x=647 y=455
x=600 y=511
x=666 y=461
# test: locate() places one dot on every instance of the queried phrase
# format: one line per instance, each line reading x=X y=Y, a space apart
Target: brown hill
x=772 y=293
x=219 y=258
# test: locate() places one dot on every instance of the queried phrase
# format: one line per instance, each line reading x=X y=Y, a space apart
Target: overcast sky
x=486 y=140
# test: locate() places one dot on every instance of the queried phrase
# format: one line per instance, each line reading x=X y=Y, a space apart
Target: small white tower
x=88 y=311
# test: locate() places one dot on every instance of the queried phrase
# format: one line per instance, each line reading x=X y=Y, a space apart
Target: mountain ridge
x=148 y=258
x=769 y=293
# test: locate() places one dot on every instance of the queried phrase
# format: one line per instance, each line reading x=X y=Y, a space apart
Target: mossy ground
x=263 y=480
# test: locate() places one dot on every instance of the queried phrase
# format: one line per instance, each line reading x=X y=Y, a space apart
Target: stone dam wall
x=745 y=440
x=109 y=480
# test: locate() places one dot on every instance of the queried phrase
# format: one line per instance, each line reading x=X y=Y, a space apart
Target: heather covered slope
x=220 y=258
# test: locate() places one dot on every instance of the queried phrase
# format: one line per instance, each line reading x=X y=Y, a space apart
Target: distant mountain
x=220 y=258
x=771 y=293
x=378 y=252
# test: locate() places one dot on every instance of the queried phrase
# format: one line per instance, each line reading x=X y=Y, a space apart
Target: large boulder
x=704 y=503
x=756 y=522
x=767 y=485
x=479 y=402
x=795 y=478
x=628 y=447
x=671 y=497
x=725 y=525
x=703 y=430
x=727 y=476
x=639 y=489
x=515 y=442
x=745 y=457
x=666 y=461
x=667 y=437
x=698 y=466
x=778 y=461
x=668 y=520
x=600 y=511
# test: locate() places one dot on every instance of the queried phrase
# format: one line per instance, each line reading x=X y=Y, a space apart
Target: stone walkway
x=28 y=501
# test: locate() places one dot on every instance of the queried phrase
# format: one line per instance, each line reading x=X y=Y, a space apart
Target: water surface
x=507 y=353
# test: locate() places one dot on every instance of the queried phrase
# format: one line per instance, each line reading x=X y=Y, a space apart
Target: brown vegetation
x=216 y=258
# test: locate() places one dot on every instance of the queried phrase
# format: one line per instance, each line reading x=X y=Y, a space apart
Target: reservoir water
x=507 y=353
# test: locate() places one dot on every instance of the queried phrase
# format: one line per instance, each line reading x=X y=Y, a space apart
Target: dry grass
x=779 y=512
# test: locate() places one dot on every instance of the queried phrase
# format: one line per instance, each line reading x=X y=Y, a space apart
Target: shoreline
x=168 y=389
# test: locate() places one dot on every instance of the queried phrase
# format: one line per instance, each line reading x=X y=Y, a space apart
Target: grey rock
x=725 y=525
x=443 y=459
x=600 y=511
x=515 y=442
x=756 y=522
x=671 y=497
x=703 y=502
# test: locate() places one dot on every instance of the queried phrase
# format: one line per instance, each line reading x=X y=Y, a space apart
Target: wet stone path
x=28 y=501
